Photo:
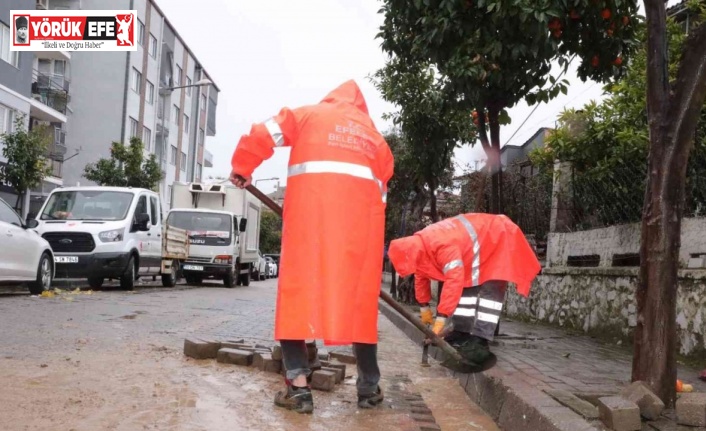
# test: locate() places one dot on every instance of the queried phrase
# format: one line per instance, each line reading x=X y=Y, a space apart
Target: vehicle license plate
x=66 y=259
x=193 y=268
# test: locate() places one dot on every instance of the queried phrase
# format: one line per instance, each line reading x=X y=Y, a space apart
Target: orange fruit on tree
x=626 y=20
x=574 y=14
x=618 y=61
x=606 y=13
x=595 y=61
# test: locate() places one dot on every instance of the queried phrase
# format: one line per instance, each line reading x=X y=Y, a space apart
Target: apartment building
x=32 y=86
x=117 y=95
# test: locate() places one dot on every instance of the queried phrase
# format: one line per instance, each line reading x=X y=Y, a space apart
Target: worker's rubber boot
x=298 y=399
x=475 y=350
x=371 y=400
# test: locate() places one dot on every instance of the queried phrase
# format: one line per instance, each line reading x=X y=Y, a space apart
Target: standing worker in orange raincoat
x=474 y=255
x=332 y=235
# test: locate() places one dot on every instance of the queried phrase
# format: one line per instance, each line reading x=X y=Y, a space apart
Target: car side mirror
x=31 y=224
x=243 y=224
x=142 y=222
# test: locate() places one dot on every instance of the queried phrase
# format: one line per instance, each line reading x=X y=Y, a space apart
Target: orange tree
x=495 y=53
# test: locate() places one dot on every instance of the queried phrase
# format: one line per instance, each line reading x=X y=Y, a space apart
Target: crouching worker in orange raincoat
x=474 y=255
x=332 y=236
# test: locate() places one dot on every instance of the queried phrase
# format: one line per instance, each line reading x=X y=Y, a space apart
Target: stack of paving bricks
x=326 y=373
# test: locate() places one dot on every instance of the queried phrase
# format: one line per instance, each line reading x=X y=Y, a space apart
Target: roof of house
x=527 y=142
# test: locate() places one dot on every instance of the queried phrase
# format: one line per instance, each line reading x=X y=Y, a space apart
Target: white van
x=103 y=233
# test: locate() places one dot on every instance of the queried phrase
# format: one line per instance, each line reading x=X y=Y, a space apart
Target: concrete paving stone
x=277 y=352
x=323 y=355
x=201 y=349
x=691 y=409
x=235 y=356
x=651 y=407
x=346 y=358
x=341 y=367
x=315 y=364
x=239 y=346
x=421 y=411
x=264 y=362
x=582 y=407
x=323 y=380
x=619 y=414
x=340 y=374
x=423 y=418
x=429 y=427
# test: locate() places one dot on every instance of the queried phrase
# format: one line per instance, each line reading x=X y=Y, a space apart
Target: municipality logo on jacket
x=74 y=30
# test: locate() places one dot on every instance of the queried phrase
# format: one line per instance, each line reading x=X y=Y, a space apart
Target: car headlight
x=115 y=235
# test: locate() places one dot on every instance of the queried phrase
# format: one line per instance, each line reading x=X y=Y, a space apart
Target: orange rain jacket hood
x=465 y=251
x=334 y=216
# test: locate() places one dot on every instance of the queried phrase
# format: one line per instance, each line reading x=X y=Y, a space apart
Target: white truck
x=103 y=233
x=223 y=225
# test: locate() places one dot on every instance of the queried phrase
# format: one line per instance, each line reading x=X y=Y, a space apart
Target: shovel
x=453 y=360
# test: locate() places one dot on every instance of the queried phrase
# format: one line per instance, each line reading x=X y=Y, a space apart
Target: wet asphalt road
x=113 y=360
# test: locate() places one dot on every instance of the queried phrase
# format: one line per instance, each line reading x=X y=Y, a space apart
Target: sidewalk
x=533 y=359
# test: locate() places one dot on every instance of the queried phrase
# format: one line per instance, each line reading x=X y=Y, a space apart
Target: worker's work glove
x=439 y=324
x=426 y=315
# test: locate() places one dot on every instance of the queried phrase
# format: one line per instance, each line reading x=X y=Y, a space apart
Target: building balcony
x=207 y=159
x=51 y=91
x=53 y=55
x=57 y=147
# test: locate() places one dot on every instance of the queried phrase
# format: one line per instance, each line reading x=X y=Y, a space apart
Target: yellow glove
x=439 y=324
x=426 y=315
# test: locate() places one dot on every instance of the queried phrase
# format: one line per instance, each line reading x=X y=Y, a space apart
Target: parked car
x=260 y=269
x=275 y=257
x=25 y=257
x=272 y=272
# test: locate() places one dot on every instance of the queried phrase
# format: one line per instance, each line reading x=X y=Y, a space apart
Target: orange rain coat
x=465 y=251
x=334 y=216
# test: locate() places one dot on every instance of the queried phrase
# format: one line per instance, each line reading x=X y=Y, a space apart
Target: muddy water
x=152 y=387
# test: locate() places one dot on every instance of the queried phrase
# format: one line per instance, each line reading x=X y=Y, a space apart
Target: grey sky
x=266 y=54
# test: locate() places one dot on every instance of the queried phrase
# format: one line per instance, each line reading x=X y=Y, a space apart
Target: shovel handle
x=262 y=197
x=438 y=341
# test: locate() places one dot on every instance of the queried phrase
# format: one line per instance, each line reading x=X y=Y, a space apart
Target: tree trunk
x=432 y=206
x=673 y=115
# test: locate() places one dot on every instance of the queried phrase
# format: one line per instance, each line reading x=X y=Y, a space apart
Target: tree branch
x=689 y=93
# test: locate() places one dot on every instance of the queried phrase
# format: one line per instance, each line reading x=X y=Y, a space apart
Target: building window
x=153 y=46
x=147 y=138
x=183 y=161
x=5 y=120
x=60 y=67
x=202 y=136
x=136 y=80
x=198 y=171
x=172 y=158
x=140 y=33
x=169 y=194
x=150 y=93
x=188 y=89
x=133 y=128
x=203 y=102
x=55 y=167
x=12 y=57
x=177 y=113
x=186 y=124
x=178 y=75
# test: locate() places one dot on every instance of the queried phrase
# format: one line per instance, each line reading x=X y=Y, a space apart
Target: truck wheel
x=95 y=282
x=256 y=276
x=246 y=279
x=169 y=280
x=229 y=279
x=127 y=280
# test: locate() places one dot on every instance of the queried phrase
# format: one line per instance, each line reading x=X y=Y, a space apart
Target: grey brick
x=346 y=358
x=619 y=414
x=264 y=362
x=650 y=405
x=340 y=374
x=423 y=418
x=691 y=409
x=277 y=352
x=201 y=349
x=235 y=356
x=323 y=380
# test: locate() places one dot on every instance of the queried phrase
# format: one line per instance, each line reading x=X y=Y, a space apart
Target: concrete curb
x=512 y=403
